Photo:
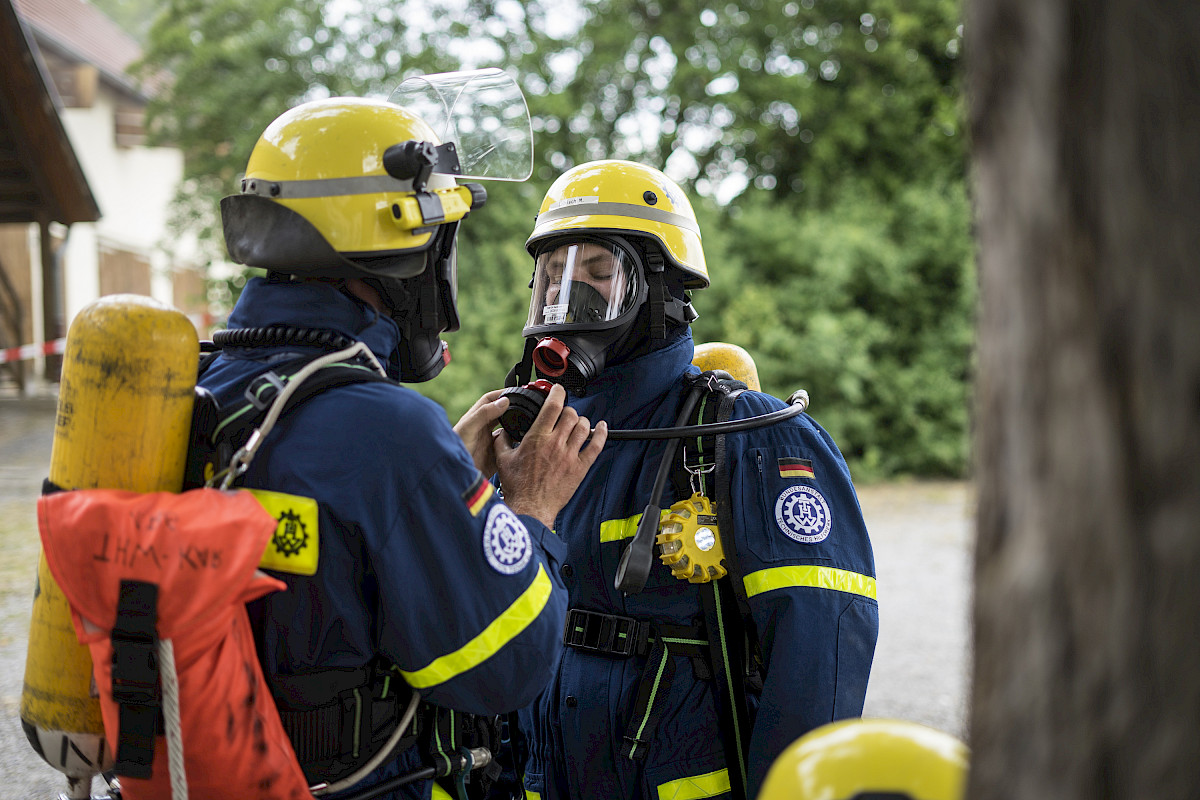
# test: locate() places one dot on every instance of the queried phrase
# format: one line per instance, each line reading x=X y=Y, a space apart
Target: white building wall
x=80 y=269
x=133 y=187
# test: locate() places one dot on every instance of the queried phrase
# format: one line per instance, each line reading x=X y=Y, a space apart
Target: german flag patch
x=477 y=494
x=796 y=468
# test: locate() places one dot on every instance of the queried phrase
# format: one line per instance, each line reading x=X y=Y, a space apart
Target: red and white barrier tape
x=33 y=351
x=59 y=346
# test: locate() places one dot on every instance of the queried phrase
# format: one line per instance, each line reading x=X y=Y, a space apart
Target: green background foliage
x=821 y=142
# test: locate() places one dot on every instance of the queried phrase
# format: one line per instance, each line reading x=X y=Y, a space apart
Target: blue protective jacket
x=808 y=571
x=464 y=596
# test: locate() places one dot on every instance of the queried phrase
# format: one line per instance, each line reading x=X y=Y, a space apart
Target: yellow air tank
x=729 y=357
x=124 y=416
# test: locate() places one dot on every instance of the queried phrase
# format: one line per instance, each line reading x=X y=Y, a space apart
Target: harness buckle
x=258 y=393
x=605 y=634
x=697 y=470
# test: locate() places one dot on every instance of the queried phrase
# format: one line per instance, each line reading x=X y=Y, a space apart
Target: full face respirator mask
x=586 y=296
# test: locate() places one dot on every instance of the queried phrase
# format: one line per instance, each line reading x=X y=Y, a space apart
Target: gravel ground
x=923 y=535
x=921 y=531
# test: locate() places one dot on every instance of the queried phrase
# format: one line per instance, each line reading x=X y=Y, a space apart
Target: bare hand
x=478 y=427
x=542 y=474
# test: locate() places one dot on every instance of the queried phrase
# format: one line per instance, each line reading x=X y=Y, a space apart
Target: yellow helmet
x=868 y=758
x=346 y=187
x=622 y=197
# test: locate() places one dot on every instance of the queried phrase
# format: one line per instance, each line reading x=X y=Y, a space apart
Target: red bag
x=201 y=548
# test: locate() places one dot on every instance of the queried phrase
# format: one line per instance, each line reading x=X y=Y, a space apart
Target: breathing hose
x=797 y=403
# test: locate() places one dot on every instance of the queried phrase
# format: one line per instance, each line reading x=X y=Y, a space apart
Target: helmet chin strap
x=657 y=296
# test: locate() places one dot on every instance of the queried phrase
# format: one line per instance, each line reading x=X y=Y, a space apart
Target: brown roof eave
x=29 y=115
x=120 y=82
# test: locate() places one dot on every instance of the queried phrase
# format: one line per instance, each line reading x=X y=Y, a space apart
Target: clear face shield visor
x=582 y=286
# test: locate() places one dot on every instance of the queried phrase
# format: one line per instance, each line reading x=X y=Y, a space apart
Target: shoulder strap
x=722 y=502
x=730 y=628
x=218 y=432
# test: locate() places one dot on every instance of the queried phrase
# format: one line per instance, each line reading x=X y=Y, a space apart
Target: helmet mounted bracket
x=417 y=161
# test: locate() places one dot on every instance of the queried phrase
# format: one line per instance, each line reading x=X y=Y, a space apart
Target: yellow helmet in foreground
x=623 y=197
x=346 y=187
x=869 y=759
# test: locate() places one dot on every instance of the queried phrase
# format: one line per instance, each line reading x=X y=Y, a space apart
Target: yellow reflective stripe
x=530 y=794
x=839 y=580
x=503 y=629
x=695 y=787
x=614 y=530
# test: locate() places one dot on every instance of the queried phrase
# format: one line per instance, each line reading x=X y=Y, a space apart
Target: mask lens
x=582 y=285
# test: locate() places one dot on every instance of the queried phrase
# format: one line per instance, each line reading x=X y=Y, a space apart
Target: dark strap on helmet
x=657 y=297
x=522 y=371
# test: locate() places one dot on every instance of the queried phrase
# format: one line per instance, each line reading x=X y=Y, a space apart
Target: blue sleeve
x=471 y=603
x=809 y=576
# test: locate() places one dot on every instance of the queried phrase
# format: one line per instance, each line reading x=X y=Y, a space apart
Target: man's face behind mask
x=581 y=286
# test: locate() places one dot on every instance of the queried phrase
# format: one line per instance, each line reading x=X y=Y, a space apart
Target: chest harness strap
x=722 y=648
x=726 y=610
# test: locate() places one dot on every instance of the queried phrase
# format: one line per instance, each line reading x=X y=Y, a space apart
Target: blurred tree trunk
x=1085 y=120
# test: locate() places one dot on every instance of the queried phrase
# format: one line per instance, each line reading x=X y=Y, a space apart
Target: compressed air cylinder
x=124 y=417
x=729 y=357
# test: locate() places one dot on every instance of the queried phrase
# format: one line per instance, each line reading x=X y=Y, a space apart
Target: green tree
x=133 y=16
x=793 y=97
x=866 y=305
x=833 y=129
x=821 y=142
x=225 y=69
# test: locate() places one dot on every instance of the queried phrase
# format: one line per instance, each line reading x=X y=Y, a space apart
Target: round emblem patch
x=506 y=541
x=803 y=514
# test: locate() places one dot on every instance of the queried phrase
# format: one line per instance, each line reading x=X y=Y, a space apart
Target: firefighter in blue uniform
x=616 y=246
x=425 y=576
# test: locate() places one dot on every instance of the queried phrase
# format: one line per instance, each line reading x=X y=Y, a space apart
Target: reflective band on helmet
x=503 y=629
x=619 y=210
x=839 y=580
x=614 y=530
x=696 y=787
x=325 y=187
